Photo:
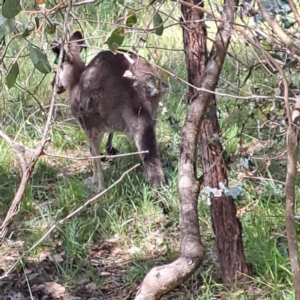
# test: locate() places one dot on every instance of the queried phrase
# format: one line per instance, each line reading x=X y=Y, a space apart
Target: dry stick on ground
x=70 y=215
x=164 y=278
x=27 y=168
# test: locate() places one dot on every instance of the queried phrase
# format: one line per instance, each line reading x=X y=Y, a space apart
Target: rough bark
x=162 y=279
x=226 y=226
x=194 y=39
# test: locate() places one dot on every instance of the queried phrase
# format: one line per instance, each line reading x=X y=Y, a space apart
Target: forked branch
x=162 y=279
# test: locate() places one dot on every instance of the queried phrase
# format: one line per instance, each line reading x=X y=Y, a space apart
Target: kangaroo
x=112 y=93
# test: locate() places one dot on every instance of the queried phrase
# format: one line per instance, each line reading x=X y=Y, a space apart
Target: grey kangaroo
x=112 y=93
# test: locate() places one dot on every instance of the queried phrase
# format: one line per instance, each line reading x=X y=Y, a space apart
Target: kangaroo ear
x=55 y=47
x=76 y=41
x=56 y=50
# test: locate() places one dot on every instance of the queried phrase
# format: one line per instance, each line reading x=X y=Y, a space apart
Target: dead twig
x=57 y=8
x=27 y=169
x=292 y=147
x=295 y=11
x=95 y=157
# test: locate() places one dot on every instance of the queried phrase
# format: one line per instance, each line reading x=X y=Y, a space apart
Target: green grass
x=125 y=232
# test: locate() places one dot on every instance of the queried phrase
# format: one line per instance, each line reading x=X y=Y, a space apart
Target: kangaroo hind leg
x=143 y=132
x=94 y=139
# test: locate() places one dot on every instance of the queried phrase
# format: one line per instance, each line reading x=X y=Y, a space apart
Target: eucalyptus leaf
x=11 y=8
x=37 y=22
x=12 y=75
x=39 y=59
x=115 y=39
x=6 y=25
x=131 y=19
x=287 y=22
x=50 y=28
x=158 y=24
x=26 y=33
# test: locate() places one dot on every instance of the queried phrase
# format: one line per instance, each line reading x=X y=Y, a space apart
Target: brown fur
x=103 y=99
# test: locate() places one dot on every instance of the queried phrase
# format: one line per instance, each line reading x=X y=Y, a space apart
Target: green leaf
x=158 y=24
x=37 y=22
x=6 y=25
x=131 y=19
x=26 y=33
x=11 y=8
x=115 y=39
x=12 y=75
x=39 y=59
x=50 y=28
x=287 y=22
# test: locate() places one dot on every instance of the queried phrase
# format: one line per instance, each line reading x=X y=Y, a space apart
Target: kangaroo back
x=114 y=92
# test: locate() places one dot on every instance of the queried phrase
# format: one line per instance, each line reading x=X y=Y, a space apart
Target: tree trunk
x=164 y=278
x=227 y=227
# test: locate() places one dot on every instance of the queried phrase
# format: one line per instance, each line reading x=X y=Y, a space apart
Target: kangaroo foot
x=96 y=185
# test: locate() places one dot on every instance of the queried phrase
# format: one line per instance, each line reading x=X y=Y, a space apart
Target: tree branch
x=295 y=11
x=27 y=169
x=292 y=149
x=277 y=29
x=162 y=279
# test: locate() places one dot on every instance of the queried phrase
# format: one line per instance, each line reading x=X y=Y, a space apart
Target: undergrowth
x=116 y=240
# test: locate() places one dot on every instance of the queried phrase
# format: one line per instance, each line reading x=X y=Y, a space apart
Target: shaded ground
x=38 y=280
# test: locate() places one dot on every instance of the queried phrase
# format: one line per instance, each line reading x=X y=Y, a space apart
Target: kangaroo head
x=72 y=65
